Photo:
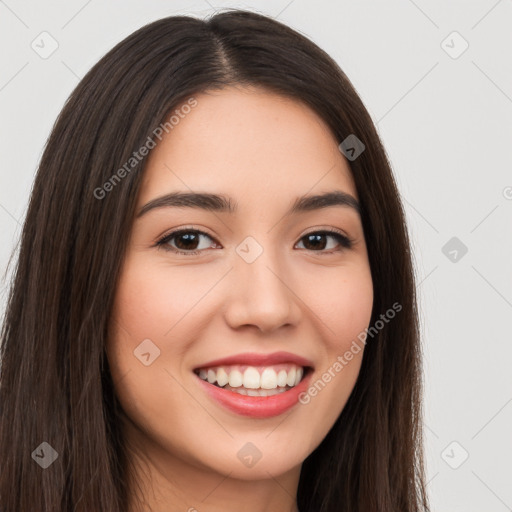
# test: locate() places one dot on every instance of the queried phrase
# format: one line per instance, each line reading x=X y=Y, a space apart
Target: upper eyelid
x=177 y=231
x=332 y=232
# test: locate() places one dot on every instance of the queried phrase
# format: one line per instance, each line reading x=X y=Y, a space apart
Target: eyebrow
x=225 y=204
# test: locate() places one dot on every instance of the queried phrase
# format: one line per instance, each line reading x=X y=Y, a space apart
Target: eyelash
x=162 y=243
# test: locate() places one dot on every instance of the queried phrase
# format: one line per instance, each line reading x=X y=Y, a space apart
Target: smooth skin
x=262 y=150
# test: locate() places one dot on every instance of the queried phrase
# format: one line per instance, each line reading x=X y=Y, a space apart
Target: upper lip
x=255 y=359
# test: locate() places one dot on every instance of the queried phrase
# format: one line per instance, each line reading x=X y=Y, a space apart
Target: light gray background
x=446 y=123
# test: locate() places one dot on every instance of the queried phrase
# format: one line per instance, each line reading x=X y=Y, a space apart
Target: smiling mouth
x=255 y=380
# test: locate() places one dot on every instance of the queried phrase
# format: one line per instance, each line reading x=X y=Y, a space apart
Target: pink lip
x=257 y=406
x=254 y=359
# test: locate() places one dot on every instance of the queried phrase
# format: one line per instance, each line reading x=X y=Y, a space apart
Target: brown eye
x=316 y=241
x=186 y=241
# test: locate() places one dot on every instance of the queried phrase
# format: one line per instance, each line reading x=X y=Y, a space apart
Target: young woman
x=214 y=304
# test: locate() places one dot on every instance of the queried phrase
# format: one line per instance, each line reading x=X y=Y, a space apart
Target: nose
x=261 y=294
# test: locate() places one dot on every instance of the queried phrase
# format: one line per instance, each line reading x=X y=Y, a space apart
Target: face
x=279 y=294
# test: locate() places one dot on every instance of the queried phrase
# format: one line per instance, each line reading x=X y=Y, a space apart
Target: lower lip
x=257 y=406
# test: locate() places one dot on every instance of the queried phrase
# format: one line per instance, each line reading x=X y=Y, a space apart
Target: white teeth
x=235 y=379
x=298 y=375
x=282 y=377
x=268 y=379
x=256 y=392
x=252 y=382
x=222 y=377
x=251 y=378
x=291 y=377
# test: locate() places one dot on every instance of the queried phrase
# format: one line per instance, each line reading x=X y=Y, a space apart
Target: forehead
x=250 y=144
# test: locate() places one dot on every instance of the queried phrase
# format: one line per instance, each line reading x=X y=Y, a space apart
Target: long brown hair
x=55 y=383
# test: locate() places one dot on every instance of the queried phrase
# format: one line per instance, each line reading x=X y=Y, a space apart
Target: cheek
x=147 y=313
x=157 y=309
x=343 y=302
x=343 y=305
x=152 y=300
